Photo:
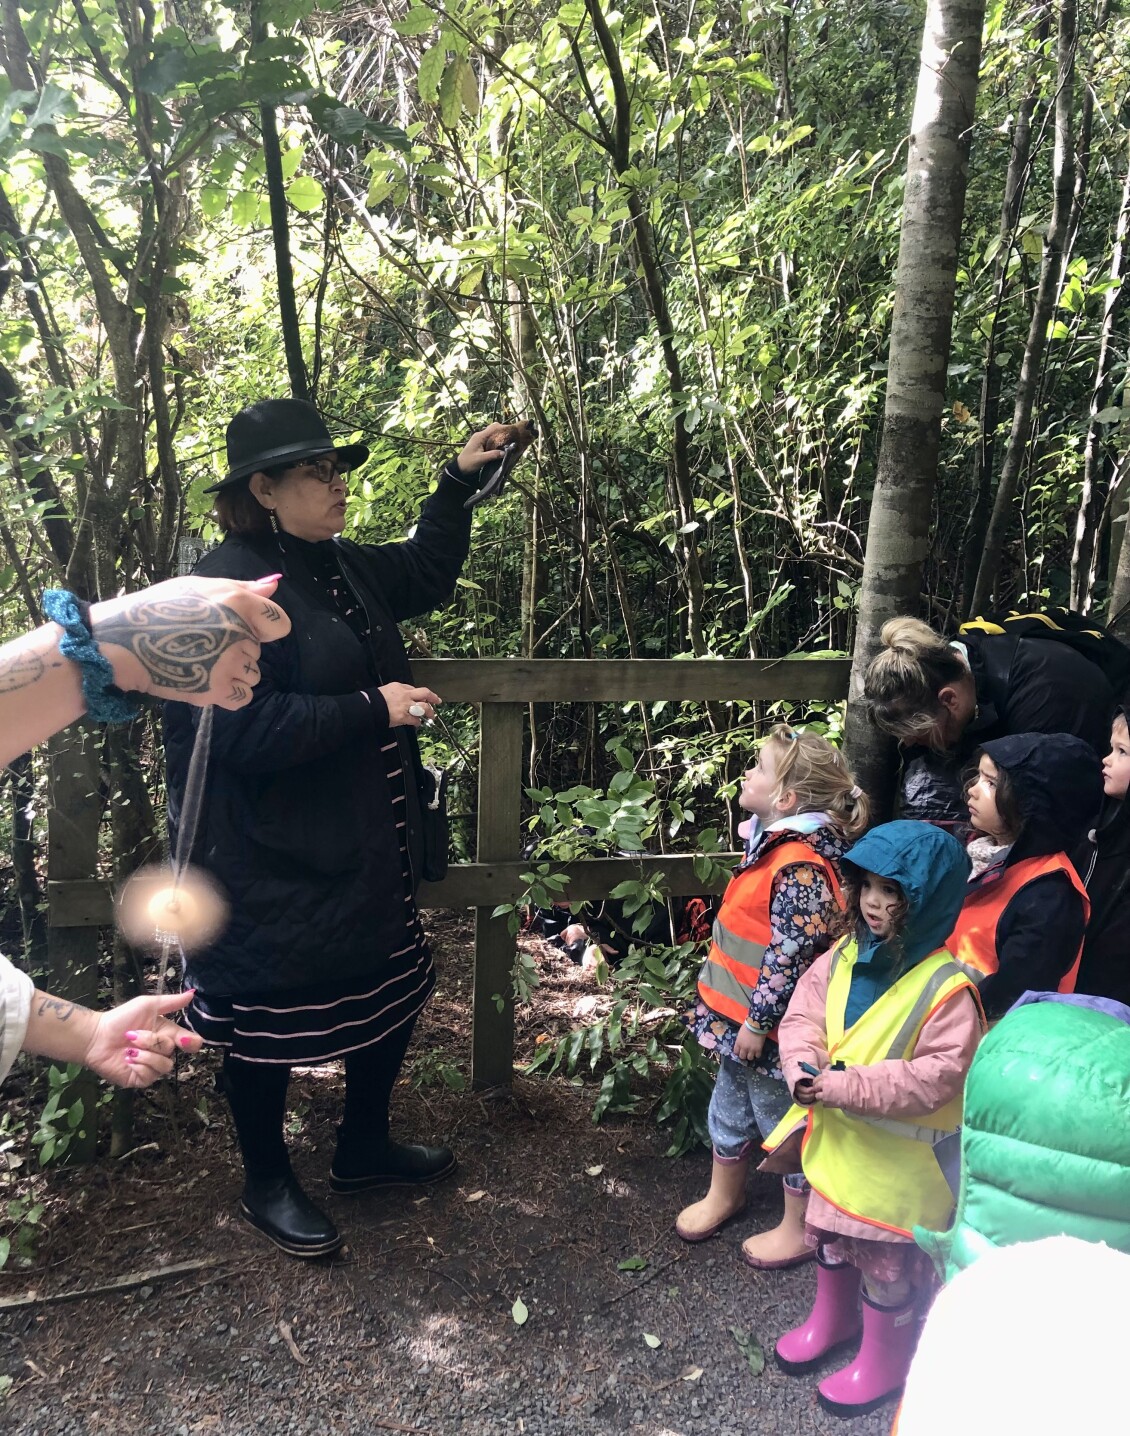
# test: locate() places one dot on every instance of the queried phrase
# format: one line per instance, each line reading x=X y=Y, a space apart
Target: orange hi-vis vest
x=973 y=942
x=742 y=930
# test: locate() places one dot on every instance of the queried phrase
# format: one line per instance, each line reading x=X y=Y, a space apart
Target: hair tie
x=856 y=793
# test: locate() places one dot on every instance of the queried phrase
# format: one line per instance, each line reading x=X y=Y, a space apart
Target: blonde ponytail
x=809 y=766
x=903 y=680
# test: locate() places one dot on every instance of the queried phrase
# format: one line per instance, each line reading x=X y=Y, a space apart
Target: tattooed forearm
x=178 y=641
x=21 y=671
x=57 y=1007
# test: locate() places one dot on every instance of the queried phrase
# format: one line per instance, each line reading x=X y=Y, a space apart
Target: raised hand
x=483 y=448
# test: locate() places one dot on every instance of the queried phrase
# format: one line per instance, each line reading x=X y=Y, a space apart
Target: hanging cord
x=451 y=738
x=186 y=835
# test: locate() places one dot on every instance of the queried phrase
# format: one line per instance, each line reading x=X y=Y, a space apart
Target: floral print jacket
x=803 y=915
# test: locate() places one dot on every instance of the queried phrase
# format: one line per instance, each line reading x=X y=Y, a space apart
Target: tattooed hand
x=134 y=1044
x=192 y=639
x=131 y=1045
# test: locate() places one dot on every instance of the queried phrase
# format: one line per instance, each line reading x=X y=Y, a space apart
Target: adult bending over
x=943 y=699
x=312 y=818
x=198 y=638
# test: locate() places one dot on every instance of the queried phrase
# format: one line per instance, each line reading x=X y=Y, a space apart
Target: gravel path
x=410 y=1329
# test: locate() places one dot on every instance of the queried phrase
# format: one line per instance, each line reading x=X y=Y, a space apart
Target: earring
x=274 y=520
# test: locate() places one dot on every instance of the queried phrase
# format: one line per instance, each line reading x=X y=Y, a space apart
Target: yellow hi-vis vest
x=742 y=930
x=880 y=1170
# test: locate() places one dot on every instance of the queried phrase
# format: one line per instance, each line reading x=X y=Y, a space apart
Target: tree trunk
x=921 y=326
x=73 y=818
x=1051 y=274
x=618 y=142
x=280 y=234
x=33 y=918
x=1099 y=455
x=984 y=455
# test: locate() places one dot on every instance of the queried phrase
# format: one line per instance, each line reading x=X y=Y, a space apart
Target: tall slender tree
x=899 y=527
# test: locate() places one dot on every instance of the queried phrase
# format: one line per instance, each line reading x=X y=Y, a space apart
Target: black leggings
x=257 y=1094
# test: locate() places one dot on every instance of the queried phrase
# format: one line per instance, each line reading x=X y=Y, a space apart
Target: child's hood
x=930 y=866
x=1058 y=782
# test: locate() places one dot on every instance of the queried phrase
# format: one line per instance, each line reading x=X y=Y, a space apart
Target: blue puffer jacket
x=297 y=824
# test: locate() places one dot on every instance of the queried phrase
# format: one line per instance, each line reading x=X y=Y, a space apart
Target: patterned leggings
x=746 y=1105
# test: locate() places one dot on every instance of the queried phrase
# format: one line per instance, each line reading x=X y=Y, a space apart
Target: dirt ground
x=410 y=1328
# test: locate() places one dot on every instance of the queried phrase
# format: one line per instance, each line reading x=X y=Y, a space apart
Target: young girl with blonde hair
x=779 y=912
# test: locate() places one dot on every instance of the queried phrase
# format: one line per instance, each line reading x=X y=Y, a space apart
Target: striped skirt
x=307 y=1025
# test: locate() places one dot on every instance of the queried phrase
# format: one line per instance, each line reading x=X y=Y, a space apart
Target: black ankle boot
x=279 y=1208
x=361 y=1166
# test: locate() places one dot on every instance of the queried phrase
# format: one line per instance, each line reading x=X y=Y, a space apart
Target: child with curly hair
x=780 y=910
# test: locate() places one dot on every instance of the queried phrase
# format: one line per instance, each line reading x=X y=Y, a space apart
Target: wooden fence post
x=74 y=816
x=500 y=816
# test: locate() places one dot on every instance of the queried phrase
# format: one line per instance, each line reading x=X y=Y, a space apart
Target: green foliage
x=64 y=1116
x=23 y=1218
x=639 y=1041
x=433 y=1069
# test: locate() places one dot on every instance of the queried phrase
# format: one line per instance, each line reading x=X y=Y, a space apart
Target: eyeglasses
x=325 y=468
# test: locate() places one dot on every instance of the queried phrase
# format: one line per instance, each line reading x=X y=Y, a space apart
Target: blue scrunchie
x=105 y=701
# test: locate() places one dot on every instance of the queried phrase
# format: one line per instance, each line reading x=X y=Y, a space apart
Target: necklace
x=174 y=909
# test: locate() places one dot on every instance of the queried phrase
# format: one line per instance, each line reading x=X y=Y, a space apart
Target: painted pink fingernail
x=131 y=1036
x=269 y=578
x=185 y=1041
x=131 y=1053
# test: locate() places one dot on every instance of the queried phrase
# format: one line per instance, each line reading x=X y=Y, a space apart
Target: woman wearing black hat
x=311 y=817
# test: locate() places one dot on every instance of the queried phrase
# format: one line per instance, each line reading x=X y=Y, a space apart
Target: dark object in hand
x=493 y=477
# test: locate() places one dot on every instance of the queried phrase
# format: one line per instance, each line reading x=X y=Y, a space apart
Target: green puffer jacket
x=1045 y=1146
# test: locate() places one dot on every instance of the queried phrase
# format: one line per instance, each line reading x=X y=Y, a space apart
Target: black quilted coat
x=297 y=823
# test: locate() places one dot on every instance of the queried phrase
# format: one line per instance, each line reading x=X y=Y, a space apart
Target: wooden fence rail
x=505 y=688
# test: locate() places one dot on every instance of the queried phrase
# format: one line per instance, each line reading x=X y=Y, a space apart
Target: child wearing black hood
x=1032 y=798
x=1103 y=861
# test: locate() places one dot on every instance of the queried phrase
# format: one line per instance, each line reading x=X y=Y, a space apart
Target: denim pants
x=746 y=1104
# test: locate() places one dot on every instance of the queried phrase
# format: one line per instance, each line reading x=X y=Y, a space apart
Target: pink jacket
x=913 y=1089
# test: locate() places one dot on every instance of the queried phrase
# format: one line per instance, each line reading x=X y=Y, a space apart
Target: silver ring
x=417 y=710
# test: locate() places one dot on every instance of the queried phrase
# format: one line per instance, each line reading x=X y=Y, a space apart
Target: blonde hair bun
x=910 y=636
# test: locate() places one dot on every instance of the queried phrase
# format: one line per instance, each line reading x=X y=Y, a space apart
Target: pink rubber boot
x=832 y=1322
x=890 y=1335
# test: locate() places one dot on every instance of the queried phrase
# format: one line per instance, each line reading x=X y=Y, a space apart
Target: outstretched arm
x=418 y=574
x=131 y=1045
x=193 y=639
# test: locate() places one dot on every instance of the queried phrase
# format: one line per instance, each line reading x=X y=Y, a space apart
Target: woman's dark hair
x=853 y=917
x=1008 y=807
x=238 y=511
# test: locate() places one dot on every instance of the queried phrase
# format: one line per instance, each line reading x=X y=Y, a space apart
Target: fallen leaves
x=475 y=1196
x=287 y=1334
x=632 y=1263
x=519 y=1312
x=652 y=1341
x=750 y=1348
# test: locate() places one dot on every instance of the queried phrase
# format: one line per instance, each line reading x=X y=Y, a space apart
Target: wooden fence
x=505 y=688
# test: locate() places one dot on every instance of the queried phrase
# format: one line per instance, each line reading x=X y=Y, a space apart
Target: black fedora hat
x=271 y=431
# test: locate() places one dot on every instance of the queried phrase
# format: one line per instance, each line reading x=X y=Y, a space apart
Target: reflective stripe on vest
x=742 y=929
x=879 y=1169
x=973 y=941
